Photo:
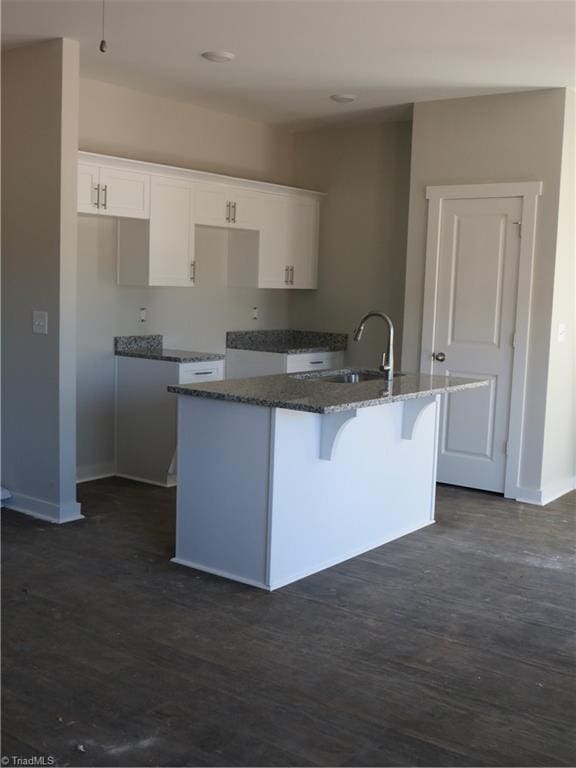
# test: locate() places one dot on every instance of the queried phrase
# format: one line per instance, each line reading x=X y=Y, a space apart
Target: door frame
x=528 y=191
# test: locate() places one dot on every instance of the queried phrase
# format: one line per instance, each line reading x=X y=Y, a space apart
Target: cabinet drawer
x=197 y=372
x=314 y=361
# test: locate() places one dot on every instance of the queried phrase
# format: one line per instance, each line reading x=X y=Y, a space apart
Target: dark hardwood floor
x=451 y=647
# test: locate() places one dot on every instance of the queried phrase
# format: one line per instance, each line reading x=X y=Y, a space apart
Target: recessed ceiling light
x=343 y=98
x=219 y=57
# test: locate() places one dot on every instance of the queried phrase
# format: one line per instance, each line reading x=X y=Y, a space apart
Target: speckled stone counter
x=151 y=347
x=287 y=342
x=313 y=394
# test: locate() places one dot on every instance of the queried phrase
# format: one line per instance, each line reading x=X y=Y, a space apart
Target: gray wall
x=510 y=137
x=559 y=462
x=105 y=310
x=365 y=171
x=39 y=146
x=121 y=121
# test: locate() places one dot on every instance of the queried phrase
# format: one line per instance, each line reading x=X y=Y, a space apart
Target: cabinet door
x=87 y=188
x=124 y=193
x=274 y=251
x=248 y=208
x=303 y=227
x=171 y=233
x=212 y=204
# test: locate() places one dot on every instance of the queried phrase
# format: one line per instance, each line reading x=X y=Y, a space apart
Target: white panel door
x=171 y=260
x=87 y=188
x=475 y=310
x=124 y=193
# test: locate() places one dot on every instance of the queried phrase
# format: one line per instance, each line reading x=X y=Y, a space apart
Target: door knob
x=439 y=357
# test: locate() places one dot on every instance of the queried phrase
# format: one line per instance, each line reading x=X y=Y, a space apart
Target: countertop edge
x=199 y=357
x=354 y=405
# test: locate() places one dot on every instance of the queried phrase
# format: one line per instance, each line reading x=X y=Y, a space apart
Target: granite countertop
x=151 y=347
x=310 y=392
x=287 y=342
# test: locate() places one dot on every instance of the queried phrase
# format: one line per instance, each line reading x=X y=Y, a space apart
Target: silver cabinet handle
x=286 y=275
x=316 y=362
x=97 y=190
x=234 y=207
x=228 y=206
x=204 y=373
x=439 y=357
x=105 y=196
x=291 y=275
x=192 y=271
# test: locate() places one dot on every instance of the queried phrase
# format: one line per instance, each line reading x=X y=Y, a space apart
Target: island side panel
x=223 y=481
x=376 y=488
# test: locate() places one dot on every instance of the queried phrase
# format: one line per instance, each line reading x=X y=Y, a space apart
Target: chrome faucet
x=387 y=366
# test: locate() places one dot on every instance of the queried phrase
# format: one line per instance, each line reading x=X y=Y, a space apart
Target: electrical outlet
x=143 y=314
x=254 y=313
x=39 y=321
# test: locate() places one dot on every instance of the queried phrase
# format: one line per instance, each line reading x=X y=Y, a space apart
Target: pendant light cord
x=103 y=43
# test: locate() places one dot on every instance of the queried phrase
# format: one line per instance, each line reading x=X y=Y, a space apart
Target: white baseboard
x=550 y=492
x=146 y=480
x=94 y=472
x=45 y=510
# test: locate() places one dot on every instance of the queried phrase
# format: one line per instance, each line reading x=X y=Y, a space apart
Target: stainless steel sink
x=348 y=376
x=353 y=377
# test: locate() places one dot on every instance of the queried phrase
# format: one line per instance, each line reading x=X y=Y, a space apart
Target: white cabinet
x=245 y=363
x=88 y=176
x=314 y=361
x=146 y=414
x=107 y=191
x=160 y=252
x=303 y=243
x=212 y=205
x=124 y=193
x=273 y=240
x=286 y=254
x=224 y=205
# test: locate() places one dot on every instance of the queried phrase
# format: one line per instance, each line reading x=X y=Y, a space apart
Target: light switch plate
x=39 y=321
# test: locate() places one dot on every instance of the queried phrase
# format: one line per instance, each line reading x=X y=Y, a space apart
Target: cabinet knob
x=439 y=357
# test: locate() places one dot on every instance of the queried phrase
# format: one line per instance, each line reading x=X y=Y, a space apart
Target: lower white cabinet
x=244 y=363
x=146 y=414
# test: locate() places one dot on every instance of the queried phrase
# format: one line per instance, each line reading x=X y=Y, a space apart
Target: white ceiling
x=292 y=54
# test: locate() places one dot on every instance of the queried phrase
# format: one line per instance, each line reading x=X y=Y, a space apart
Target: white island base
x=267 y=496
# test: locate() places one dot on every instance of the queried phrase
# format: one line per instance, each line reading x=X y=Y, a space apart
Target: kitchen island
x=283 y=476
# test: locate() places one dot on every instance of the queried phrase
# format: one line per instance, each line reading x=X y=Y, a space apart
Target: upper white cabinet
x=223 y=205
x=109 y=191
x=124 y=193
x=160 y=252
x=213 y=205
x=273 y=241
x=287 y=254
x=88 y=176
